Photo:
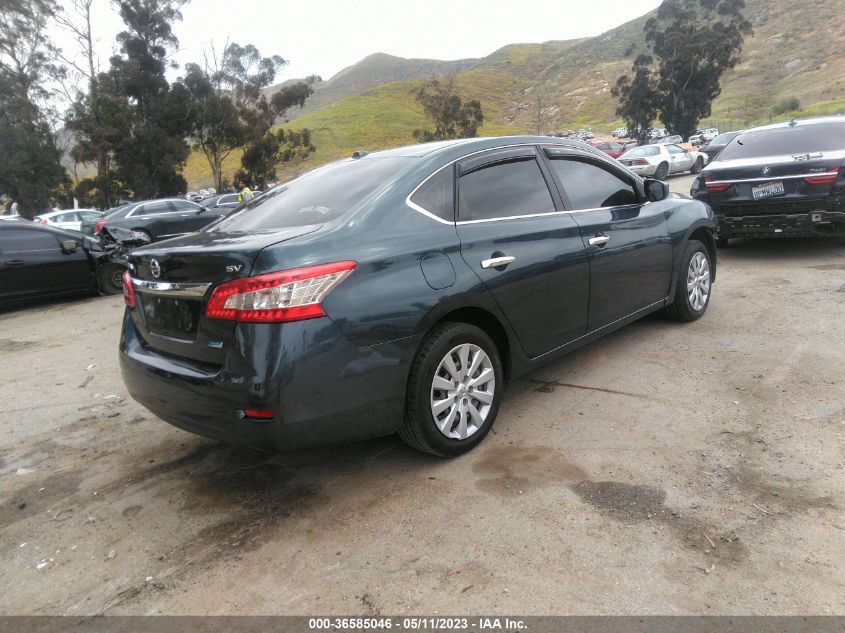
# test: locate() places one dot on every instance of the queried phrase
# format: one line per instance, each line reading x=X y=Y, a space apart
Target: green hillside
x=797 y=49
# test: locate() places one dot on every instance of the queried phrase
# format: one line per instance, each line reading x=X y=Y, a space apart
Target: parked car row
x=661 y=160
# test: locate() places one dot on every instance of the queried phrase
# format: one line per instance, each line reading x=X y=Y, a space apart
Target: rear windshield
x=801 y=139
x=724 y=139
x=639 y=152
x=319 y=196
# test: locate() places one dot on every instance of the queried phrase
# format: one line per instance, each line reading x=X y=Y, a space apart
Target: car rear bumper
x=780 y=225
x=320 y=388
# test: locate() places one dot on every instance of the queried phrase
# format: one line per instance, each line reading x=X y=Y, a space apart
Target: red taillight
x=639 y=161
x=258 y=414
x=827 y=178
x=99 y=224
x=43 y=221
x=128 y=290
x=287 y=295
x=716 y=187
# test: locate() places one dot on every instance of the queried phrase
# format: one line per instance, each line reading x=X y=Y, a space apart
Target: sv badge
x=235 y=268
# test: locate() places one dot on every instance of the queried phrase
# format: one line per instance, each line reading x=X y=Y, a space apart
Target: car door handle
x=599 y=240
x=495 y=262
x=14 y=263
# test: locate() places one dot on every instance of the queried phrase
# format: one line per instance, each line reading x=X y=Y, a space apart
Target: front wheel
x=454 y=390
x=693 y=284
x=110 y=279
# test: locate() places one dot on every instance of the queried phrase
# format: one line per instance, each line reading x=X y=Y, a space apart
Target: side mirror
x=68 y=246
x=656 y=190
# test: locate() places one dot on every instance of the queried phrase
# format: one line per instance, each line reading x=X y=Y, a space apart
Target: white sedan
x=661 y=160
x=70 y=219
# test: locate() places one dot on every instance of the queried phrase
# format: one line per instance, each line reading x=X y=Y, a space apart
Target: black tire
x=681 y=309
x=662 y=171
x=110 y=279
x=418 y=428
x=699 y=165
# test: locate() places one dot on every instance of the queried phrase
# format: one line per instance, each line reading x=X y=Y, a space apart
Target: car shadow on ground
x=781 y=248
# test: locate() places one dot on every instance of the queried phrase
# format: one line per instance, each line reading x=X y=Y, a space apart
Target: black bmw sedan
x=399 y=290
x=780 y=180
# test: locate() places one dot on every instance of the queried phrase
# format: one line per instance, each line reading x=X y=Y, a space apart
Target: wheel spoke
x=442 y=384
x=476 y=361
x=483 y=396
x=476 y=416
x=449 y=364
x=439 y=406
x=463 y=356
x=446 y=424
x=461 y=430
x=483 y=378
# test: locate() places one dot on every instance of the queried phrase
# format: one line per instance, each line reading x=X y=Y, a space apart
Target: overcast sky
x=324 y=36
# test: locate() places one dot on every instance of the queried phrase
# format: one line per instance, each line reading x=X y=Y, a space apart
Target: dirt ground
x=666 y=469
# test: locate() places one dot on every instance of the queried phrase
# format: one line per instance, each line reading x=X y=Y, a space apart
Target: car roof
x=798 y=123
x=34 y=226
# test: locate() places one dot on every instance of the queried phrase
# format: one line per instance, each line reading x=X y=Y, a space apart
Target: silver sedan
x=661 y=160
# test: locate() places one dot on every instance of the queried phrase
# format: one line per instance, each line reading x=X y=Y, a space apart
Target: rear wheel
x=144 y=233
x=693 y=284
x=454 y=390
x=662 y=171
x=110 y=279
x=699 y=165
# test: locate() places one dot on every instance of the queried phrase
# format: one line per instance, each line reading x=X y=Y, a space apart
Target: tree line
x=128 y=121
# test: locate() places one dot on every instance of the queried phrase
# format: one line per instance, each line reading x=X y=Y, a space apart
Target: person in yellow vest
x=245 y=195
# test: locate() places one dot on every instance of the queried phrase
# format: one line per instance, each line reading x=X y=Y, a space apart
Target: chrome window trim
x=437 y=218
x=765 y=178
x=167 y=289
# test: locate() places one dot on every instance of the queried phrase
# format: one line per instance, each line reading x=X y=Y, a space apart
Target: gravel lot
x=666 y=469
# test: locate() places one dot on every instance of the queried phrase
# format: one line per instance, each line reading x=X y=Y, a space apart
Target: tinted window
x=437 y=195
x=616 y=146
x=639 y=152
x=603 y=146
x=319 y=196
x=801 y=139
x=184 y=205
x=232 y=198
x=22 y=240
x=502 y=190
x=154 y=208
x=590 y=186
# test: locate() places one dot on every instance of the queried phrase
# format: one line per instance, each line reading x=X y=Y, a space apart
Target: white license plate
x=767 y=190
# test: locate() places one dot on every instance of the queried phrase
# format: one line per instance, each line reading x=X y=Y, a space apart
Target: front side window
x=674 y=149
x=184 y=205
x=437 y=195
x=504 y=189
x=590 y=186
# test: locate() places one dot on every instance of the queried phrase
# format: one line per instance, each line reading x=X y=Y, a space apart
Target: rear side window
x=319 y=196
x=184 y=205
x=801 y=139
x=590 y=186
x=23 y=240
x=154 y=208
x=437 y=194
x=502 y=190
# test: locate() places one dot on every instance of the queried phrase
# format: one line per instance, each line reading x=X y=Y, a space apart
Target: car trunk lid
x=173 y=281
